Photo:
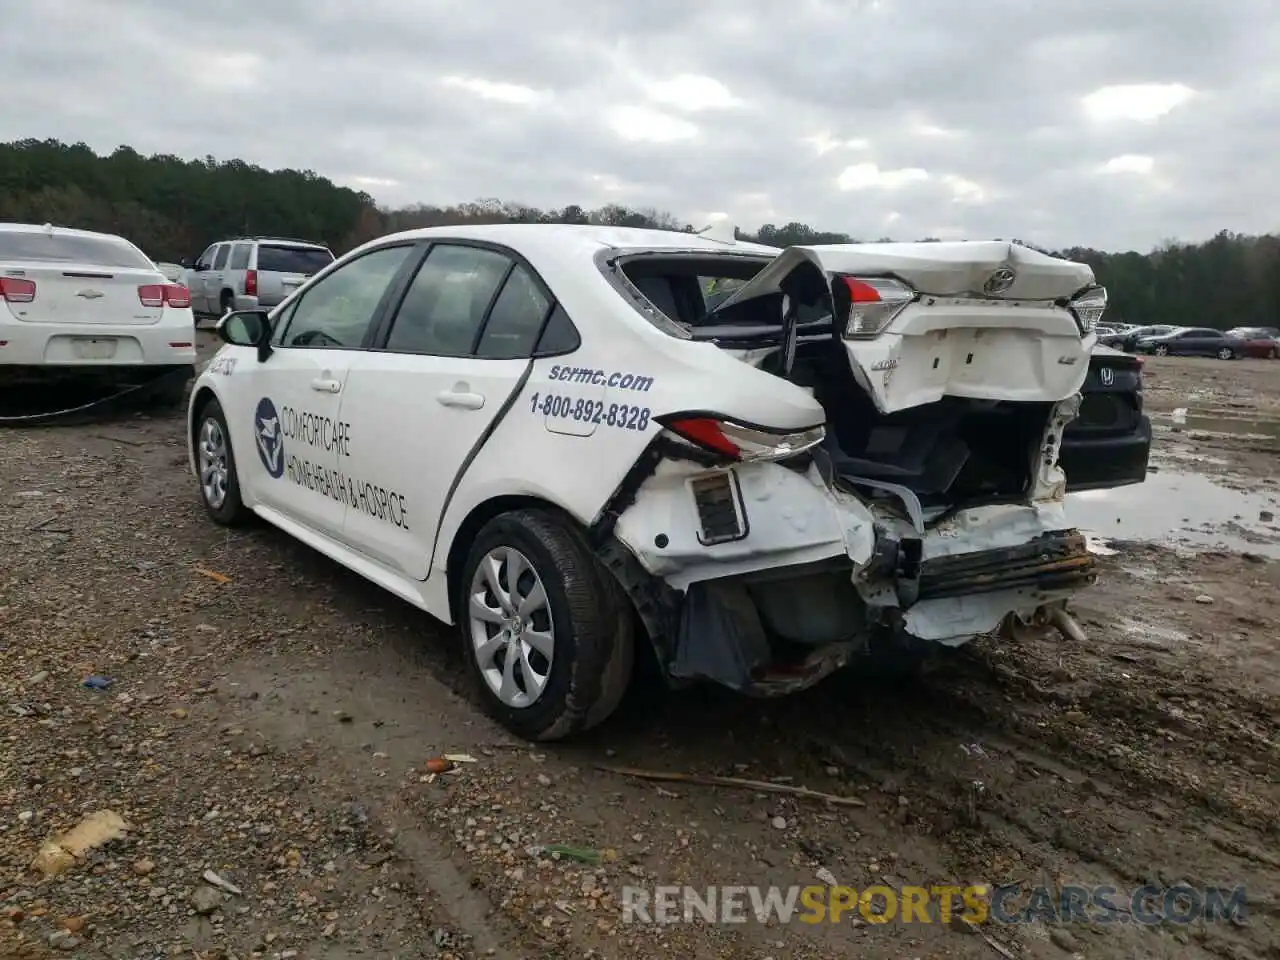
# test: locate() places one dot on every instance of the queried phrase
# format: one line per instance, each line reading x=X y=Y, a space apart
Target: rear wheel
x=216 y=468
x=1273 y=353
x=546 y=631
x=1162 y=350
x=1226 y=353
x=228 y=303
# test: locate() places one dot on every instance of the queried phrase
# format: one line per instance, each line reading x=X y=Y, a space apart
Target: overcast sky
x=1110 y=123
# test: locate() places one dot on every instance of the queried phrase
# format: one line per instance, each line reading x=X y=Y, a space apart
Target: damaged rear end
x=878 y=467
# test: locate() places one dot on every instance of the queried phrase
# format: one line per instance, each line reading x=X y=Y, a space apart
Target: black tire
x=594 y=627
x=232 y=512
x=1226 y=353
x=1162 y=351
x=1274 y=354
x=226 y=302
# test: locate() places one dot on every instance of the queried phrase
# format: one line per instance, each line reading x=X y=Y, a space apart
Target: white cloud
x=963 y=190
x=823 y=143
x=1129 y=163
x=374 y=181
x=493 y=90
x=868 y=176
x=693 y=93
x=717 y=105
x=643 y=123
x=1143 y=102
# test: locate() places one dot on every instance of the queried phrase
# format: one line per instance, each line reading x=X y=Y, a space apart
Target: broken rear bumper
x=1053 y=561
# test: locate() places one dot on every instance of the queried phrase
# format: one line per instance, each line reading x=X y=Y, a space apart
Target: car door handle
x=325 y=386
x=467 y=401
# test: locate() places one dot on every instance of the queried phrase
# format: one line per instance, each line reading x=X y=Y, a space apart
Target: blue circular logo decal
x=266 y=428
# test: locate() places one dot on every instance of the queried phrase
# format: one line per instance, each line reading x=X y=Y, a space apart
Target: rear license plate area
x=93 y=348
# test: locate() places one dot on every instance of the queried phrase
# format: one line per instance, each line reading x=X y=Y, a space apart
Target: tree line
x=173 y=208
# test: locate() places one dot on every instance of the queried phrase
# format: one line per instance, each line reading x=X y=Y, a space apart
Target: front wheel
x=1226 y=353
x=546 y=631
x=1162 y=351
x=1273 y=353
x=216 y=468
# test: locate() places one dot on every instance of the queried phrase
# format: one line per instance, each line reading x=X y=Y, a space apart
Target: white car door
x=294 y=448
x=445 y=365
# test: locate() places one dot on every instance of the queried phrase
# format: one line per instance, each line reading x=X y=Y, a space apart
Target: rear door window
x=516 y=318
x=220 y=260
x=68 y=248
x=240 y=256
x=284 y=259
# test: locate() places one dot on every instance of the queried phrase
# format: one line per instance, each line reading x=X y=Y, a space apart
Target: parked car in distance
x=90 y=306
x=1126 y=340
x=252 y=273
x=1258 y=341
x=1108 y=444
x=1193 y=342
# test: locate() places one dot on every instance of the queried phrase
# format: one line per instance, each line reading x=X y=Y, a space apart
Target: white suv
x=252 y=272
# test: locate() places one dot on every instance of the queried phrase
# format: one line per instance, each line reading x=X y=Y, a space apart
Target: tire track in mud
x=1064 y=806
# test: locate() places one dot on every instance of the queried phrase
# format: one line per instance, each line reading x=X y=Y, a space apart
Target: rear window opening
x=71 y=248
x=950 y=453
x=303 y=260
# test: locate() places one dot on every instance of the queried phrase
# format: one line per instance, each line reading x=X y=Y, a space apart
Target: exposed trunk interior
x=951 y=453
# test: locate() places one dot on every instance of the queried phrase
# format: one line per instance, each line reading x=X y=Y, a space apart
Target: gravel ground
x=270 y=719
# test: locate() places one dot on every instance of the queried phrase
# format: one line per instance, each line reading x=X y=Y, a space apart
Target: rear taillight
x=17 y=290
x=870 y=303
x=164 y=294
x=1088 y=308
x=251 y=283
x=738 y=442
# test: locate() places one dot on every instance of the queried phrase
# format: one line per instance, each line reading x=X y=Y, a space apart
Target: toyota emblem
x=1108 y=376
x=999 y=282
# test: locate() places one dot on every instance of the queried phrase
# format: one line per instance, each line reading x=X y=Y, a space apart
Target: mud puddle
x=1218 y=421
x=1180 y=508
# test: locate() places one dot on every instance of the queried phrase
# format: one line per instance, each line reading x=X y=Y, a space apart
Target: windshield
x=304 y=260
x=71 y=248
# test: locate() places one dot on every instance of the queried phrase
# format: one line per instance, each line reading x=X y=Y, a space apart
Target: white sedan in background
x=90 y=306
x=556 y=439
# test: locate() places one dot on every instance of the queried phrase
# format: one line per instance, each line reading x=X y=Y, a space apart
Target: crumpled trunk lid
x=955 y=269
x=988 y=320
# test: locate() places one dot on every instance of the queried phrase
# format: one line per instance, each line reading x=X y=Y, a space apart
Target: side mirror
x=246 y=328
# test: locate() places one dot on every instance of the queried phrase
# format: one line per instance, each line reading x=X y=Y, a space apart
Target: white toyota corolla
x=569 y=440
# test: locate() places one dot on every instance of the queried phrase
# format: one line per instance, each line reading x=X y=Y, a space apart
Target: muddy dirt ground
x=270 y=717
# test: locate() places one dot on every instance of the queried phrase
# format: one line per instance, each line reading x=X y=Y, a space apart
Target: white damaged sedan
x=573 y=443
